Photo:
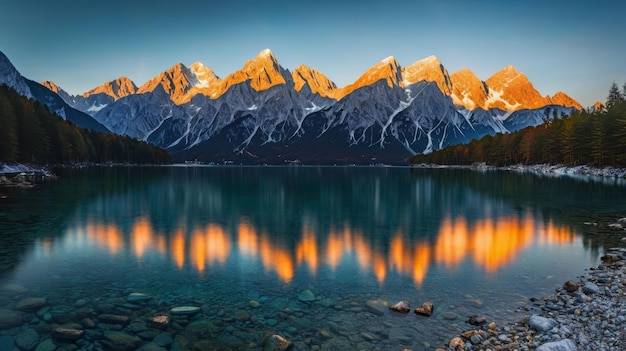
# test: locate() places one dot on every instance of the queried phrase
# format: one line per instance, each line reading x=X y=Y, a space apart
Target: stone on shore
x=541 y=324
x=426 y=309
x=403 y=306
x=590 y=288
x=570 y=286
x=476 y=320
x=561 y=345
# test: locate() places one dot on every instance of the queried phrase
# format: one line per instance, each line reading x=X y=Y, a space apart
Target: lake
x=314 y=254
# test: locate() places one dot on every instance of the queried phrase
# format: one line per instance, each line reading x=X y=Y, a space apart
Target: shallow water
x=243 y=243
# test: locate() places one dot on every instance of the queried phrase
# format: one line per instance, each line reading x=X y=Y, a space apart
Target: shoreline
x=543 y=169
x=588 y=314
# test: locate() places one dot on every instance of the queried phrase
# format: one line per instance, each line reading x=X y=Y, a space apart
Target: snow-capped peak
x=428 y=69
x=387 y=69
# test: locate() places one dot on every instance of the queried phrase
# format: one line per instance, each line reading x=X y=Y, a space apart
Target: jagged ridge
x=263 y=106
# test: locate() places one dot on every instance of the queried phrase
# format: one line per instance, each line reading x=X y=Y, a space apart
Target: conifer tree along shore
x=589 y=137
x=30 y=133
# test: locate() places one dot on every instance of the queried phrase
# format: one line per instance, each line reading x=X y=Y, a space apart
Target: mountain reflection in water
x=489 y=243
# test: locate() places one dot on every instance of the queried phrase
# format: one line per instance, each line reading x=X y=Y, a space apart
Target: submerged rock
x=476 y=320
x=113 y=319
x=403 y=306
x=377 y=306
x=66 y=334
x=306 y=296
x=27 y=340
x=10 y=319
x=13 y=289
x=118 y=341
x=160 y=322
x=30 y=304
x=185 y=310
x=277 y=343
x=426 y=309
x=138 y=297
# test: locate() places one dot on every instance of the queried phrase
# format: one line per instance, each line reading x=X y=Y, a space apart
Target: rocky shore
x=546 y=169
x=23 y=175
x=588 y=314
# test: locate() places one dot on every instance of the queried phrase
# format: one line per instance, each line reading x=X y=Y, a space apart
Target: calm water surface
x=244 y=243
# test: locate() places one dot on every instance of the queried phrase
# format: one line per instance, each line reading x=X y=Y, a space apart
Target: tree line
x=595 y=137
x=31 y=133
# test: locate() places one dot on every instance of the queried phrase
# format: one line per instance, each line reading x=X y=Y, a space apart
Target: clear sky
x=578 y=47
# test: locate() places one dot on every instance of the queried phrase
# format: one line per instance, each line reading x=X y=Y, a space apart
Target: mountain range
x=263 y=113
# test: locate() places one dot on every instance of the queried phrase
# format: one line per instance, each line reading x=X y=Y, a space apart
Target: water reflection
x=489 y=243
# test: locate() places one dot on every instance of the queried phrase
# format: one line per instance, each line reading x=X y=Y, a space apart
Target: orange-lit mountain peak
x=317 y=82
x=511 y=90
x=387 y=69
x=560 y=98
x=116 y=89
x=263 y=71
x=176 y=81
x=51 y=85
x=468 y=90
x=428 y=69
x=203 y=74
x=598 y=105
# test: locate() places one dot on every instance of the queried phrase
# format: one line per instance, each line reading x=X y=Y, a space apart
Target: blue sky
x=576 y=47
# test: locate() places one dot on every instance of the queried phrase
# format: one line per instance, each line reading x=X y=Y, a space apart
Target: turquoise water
x=243 y=244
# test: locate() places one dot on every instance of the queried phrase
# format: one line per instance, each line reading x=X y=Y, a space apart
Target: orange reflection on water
x=276 y=258
x=141 y=234
x=177 y=245
x=108 y=236
x=489 y=242
x=452 y=242
x=306 y=250
x=247 y=239
x=496 y=243
x=551 y=234
x=421 y=262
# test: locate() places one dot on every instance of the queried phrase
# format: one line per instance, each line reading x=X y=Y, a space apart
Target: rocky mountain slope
x=263 y=113
x=56 y=103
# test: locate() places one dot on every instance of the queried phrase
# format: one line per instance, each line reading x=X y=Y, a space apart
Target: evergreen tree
x=8 y=133
x=615 y=97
